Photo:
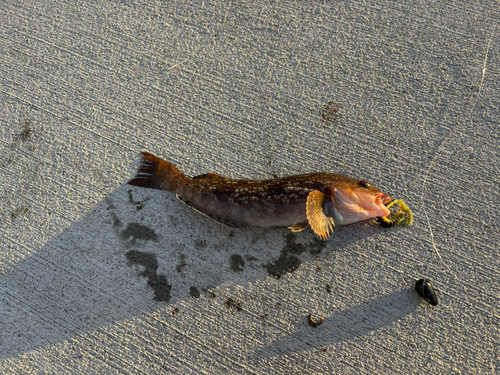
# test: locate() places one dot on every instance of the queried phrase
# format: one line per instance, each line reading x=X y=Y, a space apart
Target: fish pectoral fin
x=299 y=227
x=319 y=222
x=230 y=223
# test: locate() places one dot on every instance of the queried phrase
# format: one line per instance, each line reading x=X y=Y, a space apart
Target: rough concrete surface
x=97 y=276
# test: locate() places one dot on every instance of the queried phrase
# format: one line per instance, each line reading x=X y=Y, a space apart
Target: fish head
x=349 y=201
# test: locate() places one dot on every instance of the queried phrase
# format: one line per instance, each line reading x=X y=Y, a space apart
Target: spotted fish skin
x=279 y=202
x=268 y=203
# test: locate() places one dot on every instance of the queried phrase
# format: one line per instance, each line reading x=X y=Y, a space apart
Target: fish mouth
x=381 y=200
x=356 y=207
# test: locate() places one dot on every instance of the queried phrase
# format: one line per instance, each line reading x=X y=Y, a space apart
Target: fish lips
x=382 y=199
x=385 y=198
x=379 y=202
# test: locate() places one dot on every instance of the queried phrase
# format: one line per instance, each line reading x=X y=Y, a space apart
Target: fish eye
x=365 y=184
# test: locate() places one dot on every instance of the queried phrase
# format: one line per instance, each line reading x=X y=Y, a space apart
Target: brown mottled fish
x=321 y=200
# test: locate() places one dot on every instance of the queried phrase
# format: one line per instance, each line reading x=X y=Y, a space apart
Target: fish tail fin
x=155 y=173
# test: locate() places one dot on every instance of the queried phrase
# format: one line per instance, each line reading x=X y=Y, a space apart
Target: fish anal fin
x=299 y=227
x=319 y=222
x=228 y=222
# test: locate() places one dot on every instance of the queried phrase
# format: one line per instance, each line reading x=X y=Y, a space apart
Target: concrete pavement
x=101 y=277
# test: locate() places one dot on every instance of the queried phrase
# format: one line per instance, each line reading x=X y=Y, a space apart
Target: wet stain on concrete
x=330 y=112
x=159 y=283
x=263 y=317
x=231 y=303
x=6 y=160
x=19 y=211
x=236 y=263
x=200 y=244
x=316 y=247
x=182 y=264
x=210 y=293
x=26 y=130
x=130 y=235
x=173 y=220
x=194 y=292
x=285 y=263
x=117 y=223
x=288 y=261
x=25 y=133
x=136 y=231
x=138 y=204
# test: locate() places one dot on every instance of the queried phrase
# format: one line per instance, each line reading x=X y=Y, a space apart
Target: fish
x=317 y=200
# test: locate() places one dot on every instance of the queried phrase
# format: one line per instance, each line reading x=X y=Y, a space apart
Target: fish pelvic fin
x=155 y=173
x=319 y=222
x=299 y=227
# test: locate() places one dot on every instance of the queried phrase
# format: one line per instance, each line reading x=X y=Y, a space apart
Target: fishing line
x=444 y=141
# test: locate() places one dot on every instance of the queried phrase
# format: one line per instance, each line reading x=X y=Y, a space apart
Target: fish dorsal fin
x=319 y=222
x=210 y=176
x=228 y=222
x=299 y=227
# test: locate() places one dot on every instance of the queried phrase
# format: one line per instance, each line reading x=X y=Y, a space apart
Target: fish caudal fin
x=155 y=173
x=319 y=222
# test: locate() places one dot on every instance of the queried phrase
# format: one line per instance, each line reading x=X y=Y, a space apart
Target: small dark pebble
x=426 y=290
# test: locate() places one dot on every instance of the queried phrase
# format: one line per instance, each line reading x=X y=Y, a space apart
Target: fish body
x=320 y=200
